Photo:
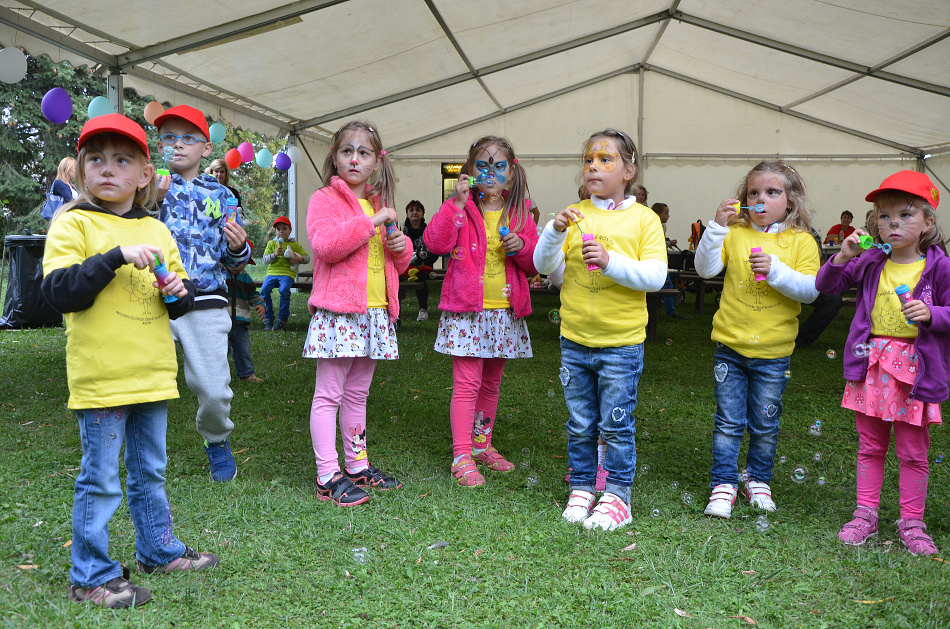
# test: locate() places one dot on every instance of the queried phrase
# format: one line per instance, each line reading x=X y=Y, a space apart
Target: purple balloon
x=57 y=106
x=282 y=162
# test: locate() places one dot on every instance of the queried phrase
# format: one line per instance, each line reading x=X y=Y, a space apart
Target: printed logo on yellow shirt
x=143 y=295
x=889 y=320
x=752 y=294
x=594 y=281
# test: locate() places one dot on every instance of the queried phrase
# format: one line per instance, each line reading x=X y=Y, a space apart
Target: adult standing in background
x=220 y=171
x=62 y=188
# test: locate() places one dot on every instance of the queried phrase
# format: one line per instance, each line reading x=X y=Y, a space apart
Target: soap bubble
x=525 y=458
x=831 y=353
x=788 y=374
x=817 y=456
x=860 y=349
x=458 y=253
x=531 y=479
x=359 y=555
x=655 y=513
x=459 y=218
x=418 y=355
x=815 y=430
x=938 y=458
x=818 y=423
x=394 y=419
x=821 y=481
x=687 y=498
x=743 y=475
x=506 y=291
x=474 y=247
x=799 y=474
x=554 y=316
x=762 y=524
x=669 y=341
x=675 y=485
x=782 y=459
x=551 y=393
x=644 y=468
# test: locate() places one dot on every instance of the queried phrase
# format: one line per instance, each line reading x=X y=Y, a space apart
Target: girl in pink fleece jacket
x=490 y=235
x=358 y=254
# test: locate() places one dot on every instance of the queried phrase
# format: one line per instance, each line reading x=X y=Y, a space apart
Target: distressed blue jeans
x=600 y=389
x=98 y=492
x=748 y=398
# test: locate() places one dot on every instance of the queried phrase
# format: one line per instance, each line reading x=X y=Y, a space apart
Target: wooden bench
x=702 y=285
x=654 y=300
x=303 y=283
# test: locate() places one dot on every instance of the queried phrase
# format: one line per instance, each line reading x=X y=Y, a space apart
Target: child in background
x=897 y=355
x=663 y=212
x=485 y=295
x=282 y=256
x=195 y=211
x=358 y=254
x=612 y=256
x=242 y=296
x=757 y=322
x=414 y=228
x=120 y=358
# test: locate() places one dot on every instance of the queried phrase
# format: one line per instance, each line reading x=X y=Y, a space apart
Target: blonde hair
x=628 y=153
x=62 y=171
x=893 y=199
x=144 y=197
x=385 y=186
x=516 y=190
x=796 y=216
x=220 y=163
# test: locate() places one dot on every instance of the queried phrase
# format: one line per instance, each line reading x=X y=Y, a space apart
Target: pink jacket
x=462 y=291
x=339 y=233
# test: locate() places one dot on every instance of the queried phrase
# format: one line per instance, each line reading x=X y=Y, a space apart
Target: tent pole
x=114 y=90
x=640 y=116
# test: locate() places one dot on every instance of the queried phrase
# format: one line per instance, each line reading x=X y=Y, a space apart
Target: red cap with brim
x=188 y=114
x=114 y=123
x=282 y=219
x=250 y=246
x=911 y=181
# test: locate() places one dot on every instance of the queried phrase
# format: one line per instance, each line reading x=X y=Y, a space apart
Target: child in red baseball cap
x=100 y=271
x=283 y=255
x=195 y=210
x=897 y=358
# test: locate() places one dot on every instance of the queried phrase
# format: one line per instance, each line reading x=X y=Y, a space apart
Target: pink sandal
x=466 y=472
x=494 y=461
x=914 y=537
x=858 y=530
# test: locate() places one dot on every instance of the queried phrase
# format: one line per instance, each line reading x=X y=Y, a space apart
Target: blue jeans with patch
x=98 y=492
x=283 y=284
x=600 y=389
x=748 y=397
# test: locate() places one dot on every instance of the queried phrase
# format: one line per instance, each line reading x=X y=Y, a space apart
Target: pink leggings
x=911 y=444
x=341 y=383
x=477 y=382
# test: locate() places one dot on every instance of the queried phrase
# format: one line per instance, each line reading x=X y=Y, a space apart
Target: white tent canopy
x=848 y=90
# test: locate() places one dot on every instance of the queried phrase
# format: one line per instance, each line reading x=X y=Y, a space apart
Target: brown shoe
x=251 y=378
x=192 y=560
x=117 y=593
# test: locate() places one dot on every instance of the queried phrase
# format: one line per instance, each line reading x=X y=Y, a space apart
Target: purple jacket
x=461 y=291
x=933 y=338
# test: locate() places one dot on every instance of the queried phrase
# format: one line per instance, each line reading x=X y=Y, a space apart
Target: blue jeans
x=283 y=284
x=239 y=342
x=98 y=492
x=668 y=302
x=600 y=389
x=748 y=397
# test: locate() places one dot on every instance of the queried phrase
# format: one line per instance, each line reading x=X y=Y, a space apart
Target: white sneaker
x=721 y=501
x=760 y=495
x=423 y=315
x=610 y=513
x=578 y=506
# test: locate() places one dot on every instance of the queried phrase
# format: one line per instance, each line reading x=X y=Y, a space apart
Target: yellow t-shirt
x=595 y=310
x=119 y=351
x=495 y=293
x=375 y=271
x=755 y=319
x=886 y=316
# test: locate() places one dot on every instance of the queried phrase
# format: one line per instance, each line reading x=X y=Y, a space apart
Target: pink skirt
x=885 y=392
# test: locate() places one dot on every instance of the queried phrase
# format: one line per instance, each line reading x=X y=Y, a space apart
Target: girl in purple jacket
x=898 y=351
x=490 y=236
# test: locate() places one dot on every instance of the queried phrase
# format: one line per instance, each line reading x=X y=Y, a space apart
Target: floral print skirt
x=892 y=371
x=486 y=334
x=351 y=334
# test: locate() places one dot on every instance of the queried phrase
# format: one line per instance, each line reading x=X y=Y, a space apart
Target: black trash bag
x=25 y=306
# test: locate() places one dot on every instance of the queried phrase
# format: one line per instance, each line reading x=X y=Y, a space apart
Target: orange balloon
x=232 y=158
x=152 y=111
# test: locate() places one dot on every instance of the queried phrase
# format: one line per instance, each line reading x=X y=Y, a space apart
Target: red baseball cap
x=188 y=114
x=115 y=123
x=917 y=184
x=282 y=219
x=250 y=246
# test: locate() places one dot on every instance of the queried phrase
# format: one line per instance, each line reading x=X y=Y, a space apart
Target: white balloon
x=12 y=65
x=294 y=153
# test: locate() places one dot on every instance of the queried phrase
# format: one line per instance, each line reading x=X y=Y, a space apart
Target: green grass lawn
x=437 y=555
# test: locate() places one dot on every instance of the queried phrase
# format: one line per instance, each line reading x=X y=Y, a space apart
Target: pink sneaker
x=858 y=530
x=914 y=537
x=600 y=483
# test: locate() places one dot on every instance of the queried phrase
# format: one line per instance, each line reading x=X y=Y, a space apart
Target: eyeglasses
x=171 y=138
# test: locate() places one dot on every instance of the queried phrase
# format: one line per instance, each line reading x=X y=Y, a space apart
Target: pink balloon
x=246 y=149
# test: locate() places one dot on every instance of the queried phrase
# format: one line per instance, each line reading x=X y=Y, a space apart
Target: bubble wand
x=758 y=208
x=161 y=274
x=584 y=238
x=163 y=171
x=867 y=242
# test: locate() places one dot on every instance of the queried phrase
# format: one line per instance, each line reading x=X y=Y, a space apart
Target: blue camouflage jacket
x=196 y=213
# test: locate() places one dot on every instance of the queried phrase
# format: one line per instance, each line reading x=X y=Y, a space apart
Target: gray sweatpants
x=203 y=335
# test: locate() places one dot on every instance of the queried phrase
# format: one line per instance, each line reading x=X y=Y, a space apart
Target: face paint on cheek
x=606 y=162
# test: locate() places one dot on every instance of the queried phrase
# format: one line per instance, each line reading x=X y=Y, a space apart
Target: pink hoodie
x=462 y=291
x=339 y=232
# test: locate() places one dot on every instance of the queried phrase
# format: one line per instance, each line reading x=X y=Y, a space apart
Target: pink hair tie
x=514 y=161
x=382 y=151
